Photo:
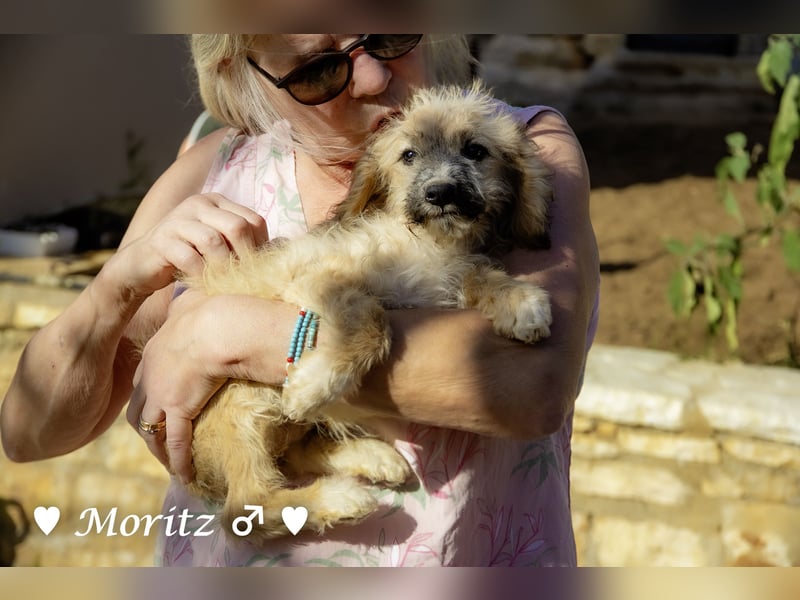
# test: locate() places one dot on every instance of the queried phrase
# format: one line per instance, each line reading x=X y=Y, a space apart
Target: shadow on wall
x=71 y=106
x=14 y=528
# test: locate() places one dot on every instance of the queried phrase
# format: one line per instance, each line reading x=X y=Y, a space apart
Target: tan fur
x=391 y=245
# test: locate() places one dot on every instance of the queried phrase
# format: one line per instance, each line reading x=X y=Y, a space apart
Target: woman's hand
x=202 y=227
x=179 y=372
x=205 y=341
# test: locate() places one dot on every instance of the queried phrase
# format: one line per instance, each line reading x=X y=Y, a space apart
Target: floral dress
x=481 y=501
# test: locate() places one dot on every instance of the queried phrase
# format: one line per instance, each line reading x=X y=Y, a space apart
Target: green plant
x=710 y=272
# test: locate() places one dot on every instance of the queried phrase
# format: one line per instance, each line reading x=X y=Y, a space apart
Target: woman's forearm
x=69 y=386
x=449 y=369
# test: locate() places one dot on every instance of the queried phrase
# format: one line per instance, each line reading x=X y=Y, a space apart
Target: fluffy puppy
x=446 y=186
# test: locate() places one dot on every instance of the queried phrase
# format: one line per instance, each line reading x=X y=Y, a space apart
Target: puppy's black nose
x=441 y=194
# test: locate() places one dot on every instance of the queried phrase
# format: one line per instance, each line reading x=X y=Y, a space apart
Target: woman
x=485 y=422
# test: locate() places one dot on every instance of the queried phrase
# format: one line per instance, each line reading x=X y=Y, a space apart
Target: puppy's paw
x=379 y=462
x=528 y=317
x=311 y=386
x=341 y=500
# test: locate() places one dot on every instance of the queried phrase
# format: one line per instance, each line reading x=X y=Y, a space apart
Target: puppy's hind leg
x=368 y=458
x=356 y=337
x=236 y=441
x=328 y=500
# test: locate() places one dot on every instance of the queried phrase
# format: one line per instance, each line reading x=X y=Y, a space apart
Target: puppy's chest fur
x=401 y=265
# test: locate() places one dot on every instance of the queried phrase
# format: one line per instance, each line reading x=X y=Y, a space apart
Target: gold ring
x=152 y=428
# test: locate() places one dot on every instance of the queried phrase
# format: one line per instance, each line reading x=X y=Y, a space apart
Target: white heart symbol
x=46 y=518
x=294 y=518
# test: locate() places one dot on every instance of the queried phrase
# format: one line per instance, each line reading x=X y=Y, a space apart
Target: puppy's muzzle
x=441 y=194
x=449 y=197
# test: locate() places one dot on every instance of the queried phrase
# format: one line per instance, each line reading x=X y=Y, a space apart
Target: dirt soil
x=654 y=183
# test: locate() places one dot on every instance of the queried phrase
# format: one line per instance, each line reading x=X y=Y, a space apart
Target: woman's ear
x=367 y=191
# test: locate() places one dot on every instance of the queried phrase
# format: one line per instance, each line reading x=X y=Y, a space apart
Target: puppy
x=445 y=187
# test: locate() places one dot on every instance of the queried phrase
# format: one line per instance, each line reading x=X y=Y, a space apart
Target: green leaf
x=699 y=244
x=777 y=184
x=780 y=59
x=727 y=245
x=769 y=192
x=713 y=306
x=713 y=311
x=676 y=247
x=786 y=128
x=731 y=333
x=791 y=249
x=736 y=142
x=731 y=205
x=763 y=188
x=738 y=166
x=681 y=293
x=731 y=282
x=763 y=72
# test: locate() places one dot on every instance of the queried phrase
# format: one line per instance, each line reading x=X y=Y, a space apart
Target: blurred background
x=686 y=451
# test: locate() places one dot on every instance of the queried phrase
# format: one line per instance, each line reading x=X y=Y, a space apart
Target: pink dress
x=481 y=501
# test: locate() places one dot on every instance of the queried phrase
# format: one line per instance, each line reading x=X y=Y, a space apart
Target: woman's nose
x=370 y=75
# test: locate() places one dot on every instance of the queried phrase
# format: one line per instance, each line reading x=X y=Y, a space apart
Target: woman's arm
x=75 y=373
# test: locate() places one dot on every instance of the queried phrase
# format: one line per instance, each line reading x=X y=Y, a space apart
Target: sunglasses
x=326 y=75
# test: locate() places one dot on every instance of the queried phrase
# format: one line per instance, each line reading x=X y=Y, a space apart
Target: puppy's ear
x=367 y=191
x=527 y=224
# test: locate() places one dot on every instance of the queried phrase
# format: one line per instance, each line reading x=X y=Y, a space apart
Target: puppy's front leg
x=518 y=309
x=356 y=337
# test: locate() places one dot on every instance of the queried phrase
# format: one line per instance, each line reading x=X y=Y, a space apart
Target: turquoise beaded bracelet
x=303 y=337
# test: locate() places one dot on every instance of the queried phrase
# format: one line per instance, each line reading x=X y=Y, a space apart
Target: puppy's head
x=455 y=166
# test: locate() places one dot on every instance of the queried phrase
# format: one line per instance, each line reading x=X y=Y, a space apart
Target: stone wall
x=674 y=462
x=114 y=471
x=686 y=463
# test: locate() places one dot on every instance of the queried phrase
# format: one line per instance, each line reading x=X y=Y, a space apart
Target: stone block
x=769 y=454
x=749 y=379
x=722 y=485
x=582 y=424
x=669 y=446
x=6 y=312
x=68 y=550
x=34 y=484
x=603 y=357
x=123 y=451
x=606 y=429
x=761 y=534
x=629 y=385
x=103 y=490
x=696 y=373
x=34 y=315
x=630 y=481
x=755 y=483
x=581 y=525
x=761 y=413
x=590 y=446
x=617 y=542
x=634 y=397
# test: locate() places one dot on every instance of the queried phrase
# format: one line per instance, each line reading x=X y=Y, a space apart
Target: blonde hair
x=235 y=95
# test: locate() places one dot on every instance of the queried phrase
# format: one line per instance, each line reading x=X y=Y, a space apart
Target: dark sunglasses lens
x=320 y=80
x=389 y=46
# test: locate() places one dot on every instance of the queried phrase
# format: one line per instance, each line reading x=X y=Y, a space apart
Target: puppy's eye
x=474 y=151
x=409 y=156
